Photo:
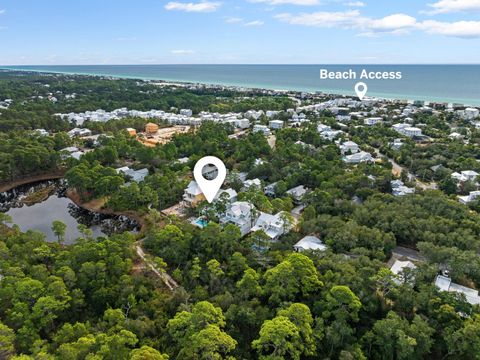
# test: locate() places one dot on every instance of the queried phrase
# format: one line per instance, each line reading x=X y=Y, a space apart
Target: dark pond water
x=40 y=216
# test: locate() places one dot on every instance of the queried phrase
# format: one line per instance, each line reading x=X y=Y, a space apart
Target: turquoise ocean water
x=443 y=83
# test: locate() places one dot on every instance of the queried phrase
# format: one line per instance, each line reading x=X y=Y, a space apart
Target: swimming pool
x=201 y=223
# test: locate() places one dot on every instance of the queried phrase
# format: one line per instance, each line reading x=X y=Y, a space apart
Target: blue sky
x=242 y=31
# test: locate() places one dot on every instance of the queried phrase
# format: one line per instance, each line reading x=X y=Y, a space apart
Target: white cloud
x=233 y=20
x=204 y=6
x=288 y=2
x=355 y=4
x=449 y=6
x=393 y=24
x=182 y=52
x=2 y=11
x=254 y=23
x=325 y=19
x=461 y=29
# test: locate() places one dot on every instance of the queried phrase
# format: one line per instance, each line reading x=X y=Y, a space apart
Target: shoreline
x=7 y=186
x=331 y=92
x=73 y=196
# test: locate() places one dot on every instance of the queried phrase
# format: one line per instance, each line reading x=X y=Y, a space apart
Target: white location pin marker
x=361 y=89
x=209 y=187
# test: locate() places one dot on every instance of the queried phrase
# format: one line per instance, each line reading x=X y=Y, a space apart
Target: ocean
x=439 y=83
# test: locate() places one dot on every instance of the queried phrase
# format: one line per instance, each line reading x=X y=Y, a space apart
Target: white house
x=298 y=193
x=322 y=128
x=272 y=225
x=247 y=184
x=275 y=124
x=71 y=152
x=359 y=157
x=466 y=175
x=349 y=147
x=444 y=283
x=331 y=134
x=135 y=175
x=412 y=131
x=468 y=113
x=79 y=132
x=231 y=195
x=242 y=123
x=469 y=198
x=396 y=144
x=399 y=188
x=270 y=189
x=309 y=243
x=241 y=214
x=41 y=132
x=261 y=128
x=186 y=112
x=372 y=121
x=398 y=268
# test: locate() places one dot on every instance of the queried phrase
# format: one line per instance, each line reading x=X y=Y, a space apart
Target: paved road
x=397 y=170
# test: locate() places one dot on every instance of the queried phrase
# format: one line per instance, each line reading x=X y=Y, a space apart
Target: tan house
x=132 y=131
x=192 y=194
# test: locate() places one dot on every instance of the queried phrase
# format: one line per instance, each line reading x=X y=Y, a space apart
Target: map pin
x=361 y=89
x=209 y=187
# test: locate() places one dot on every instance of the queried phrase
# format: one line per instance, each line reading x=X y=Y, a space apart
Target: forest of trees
x=97 y=299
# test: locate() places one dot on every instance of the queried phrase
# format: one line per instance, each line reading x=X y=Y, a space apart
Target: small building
x=298 y=193
x=396 y=144
x=466 y=175
x=41 y=132
x=79 y=132
x=275 y=124
x=398 y=268
x=131 y=131
x=253 y=183
x=192 y=195
x=399 y=188
x=230 y=195
x=359 y=157
x=322 y=128
x=242 y=123
x=412 y=131
x=272 y=225
x=270 y=189
x=309 y=242
x=474 y=195
x=135 y=175
x=186 y=112
x=444 y=283
x=331 y=134
x=372 y=121
x=349 y=147
x=261 y=128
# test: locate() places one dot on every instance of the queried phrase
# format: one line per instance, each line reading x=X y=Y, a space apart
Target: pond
x=57 y=206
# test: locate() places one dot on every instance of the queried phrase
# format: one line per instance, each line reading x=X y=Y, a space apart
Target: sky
x=60 y=32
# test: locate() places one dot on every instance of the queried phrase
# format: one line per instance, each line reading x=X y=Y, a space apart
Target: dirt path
x=165 y=277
